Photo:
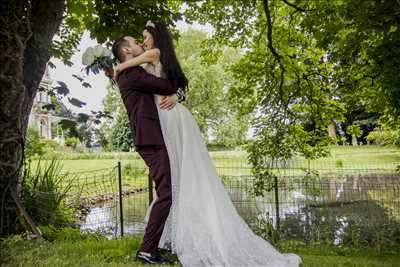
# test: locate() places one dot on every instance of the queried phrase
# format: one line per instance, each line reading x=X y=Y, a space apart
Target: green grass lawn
x=70 y=249
x=94 y=170
x=349 y=157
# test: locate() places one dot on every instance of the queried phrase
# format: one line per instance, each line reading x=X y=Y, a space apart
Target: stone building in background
x=41 y=118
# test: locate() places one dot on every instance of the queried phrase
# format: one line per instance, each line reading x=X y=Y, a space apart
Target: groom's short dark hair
x=117 y=48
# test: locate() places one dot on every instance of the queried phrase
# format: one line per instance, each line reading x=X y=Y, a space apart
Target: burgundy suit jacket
x=137 y=89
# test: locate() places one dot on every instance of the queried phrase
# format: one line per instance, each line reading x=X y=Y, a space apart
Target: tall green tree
x=305 y=64
x=121 y=134
x=116 y=129
x=114 y=106
x=27 y=31
x=283 y=78
x=362 y=38
x=207 y=97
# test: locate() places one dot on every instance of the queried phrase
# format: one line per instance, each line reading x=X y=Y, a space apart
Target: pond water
x=351 y=210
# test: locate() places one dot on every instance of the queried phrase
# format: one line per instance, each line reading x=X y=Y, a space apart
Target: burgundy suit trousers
x=156 y=158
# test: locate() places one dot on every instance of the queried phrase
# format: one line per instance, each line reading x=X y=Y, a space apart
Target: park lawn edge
x=70 y=248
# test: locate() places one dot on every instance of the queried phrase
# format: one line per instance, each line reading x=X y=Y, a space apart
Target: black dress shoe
x=148 y=257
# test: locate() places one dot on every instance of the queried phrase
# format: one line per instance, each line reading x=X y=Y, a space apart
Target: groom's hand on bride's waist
x=168 y=102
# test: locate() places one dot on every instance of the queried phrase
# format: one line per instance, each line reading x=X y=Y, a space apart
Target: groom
x=137 y=88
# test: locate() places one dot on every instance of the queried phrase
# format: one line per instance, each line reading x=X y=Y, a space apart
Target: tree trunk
x=354 y=140
x=27 y=30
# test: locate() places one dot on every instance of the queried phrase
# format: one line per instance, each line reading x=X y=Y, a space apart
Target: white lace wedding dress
x=203 y=227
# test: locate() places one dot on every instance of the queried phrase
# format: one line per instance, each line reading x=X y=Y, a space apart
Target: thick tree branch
x=271 y=46
x=295 y=7
x=269 y=31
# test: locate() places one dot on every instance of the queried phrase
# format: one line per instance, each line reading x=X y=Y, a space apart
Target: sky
x=91 y=96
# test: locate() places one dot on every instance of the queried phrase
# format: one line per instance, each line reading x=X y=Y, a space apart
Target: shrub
x=33 y=144
x=44 y=193
x=72 y=142
x=380 y=136
x=339 y=140
x=129 y=170
x=37 y=146
x=354 y=130
x=50 y=146
x=121 y=135
x=265 y=229
x=339 y=163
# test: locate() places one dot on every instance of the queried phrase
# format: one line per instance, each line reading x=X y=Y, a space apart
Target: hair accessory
x=149 y=23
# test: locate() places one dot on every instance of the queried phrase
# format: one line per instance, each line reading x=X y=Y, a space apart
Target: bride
x=203 y=227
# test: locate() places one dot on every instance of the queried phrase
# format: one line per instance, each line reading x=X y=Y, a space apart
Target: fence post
x=306 y=208
x=150 y=190
x=121 y=213
x=277 y=204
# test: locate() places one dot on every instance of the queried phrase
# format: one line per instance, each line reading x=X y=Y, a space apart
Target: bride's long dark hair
x=171 y=67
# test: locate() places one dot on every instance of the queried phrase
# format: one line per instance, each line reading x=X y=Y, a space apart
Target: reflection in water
x=342 y=221
x=344 y=211
x=101 y=218
x=106 y=217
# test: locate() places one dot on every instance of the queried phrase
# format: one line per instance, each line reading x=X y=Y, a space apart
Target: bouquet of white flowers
x=97 y=58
